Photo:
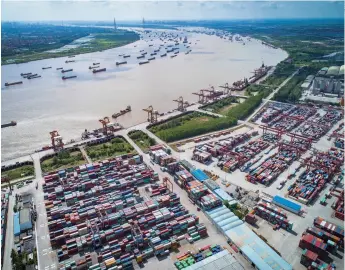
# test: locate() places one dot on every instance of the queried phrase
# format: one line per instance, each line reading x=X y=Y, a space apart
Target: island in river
x=23 y=43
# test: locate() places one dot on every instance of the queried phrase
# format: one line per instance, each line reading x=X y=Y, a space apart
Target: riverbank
x=97 y=42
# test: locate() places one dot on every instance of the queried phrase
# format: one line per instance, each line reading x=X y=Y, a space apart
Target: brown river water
x=70 y=106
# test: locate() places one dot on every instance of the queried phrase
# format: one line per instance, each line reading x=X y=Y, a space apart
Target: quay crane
x=56 y=140
x=151 y=114
x=105 y=121
x=227 y=89
x=181 y=105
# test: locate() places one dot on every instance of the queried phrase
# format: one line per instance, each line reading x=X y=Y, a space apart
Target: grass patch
x=141 y=139
x=190 y=125
x=218 y=106
x=20 y=172
x=116 y=147
x=64 y=159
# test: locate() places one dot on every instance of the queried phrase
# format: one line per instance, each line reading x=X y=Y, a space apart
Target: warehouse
x=25 y=220
x=329 y=80
x=286 y=204
x=253 y=248
x=222 y=260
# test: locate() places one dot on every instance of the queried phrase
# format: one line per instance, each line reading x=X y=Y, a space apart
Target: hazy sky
x=29 y=10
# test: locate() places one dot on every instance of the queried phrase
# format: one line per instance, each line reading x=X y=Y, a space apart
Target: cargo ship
x=25 y=74
x=10 y=124
x=95 y=64
x=121 y=63
x=152 y=58
x=91 y=67
x=126 y=56
x=144 y=62
x=66 y=70
x=59 y=68
x=69 y=61
x=99 y=70
x=68 y=77
x=172 y=56
x=13 y=83
x=141 y=56
x=34 y=77
x=46 y=67
x=122 y=112
x=163 y=55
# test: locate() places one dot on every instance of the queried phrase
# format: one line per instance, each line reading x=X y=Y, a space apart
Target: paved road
x=9 y=244
x=272 y=94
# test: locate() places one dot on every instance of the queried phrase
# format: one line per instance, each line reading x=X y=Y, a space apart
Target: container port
x=10 y=124
x=122 y=112
x=13 y=83
x=99 y=70
x=68 y=77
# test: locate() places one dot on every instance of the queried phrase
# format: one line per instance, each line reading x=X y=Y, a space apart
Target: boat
x=163 y=55
x=152 y=58
x=68 y=77
x=91 y=67
x=13 y=83
x=10 y=124
x=121 y=63
x=144 y=53
x=168 y=51
x=141 y=56
x=126 y=56
x=156 y=51
x=144 y=62
x=59 y=68
x=187 y=52
x=25 y=74
x=66 y=70
x=46 y=67
x=95 y=64
x=185 y=40
x=142 y=50
x=99 y=70
x=34 y=77
x=176 y=52
x=172 y=56
x=122 y=112
x=153 y=54
x=69 y=61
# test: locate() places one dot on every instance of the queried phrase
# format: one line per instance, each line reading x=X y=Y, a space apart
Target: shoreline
x=78 y=141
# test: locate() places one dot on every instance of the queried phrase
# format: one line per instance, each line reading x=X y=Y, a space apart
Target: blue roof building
x=287 y=204
x=16 y=226
x=199 y=175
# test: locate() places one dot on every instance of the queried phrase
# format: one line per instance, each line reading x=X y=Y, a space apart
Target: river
x=70 y=106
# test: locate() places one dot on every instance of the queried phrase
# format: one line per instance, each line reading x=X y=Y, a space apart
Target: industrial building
x=25 y=220
x=329 y=80
x=250 y=245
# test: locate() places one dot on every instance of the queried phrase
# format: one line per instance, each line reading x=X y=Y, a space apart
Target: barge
x=152 y=58
x=68 y=77
x=121 y=63
x=14 y=83
x=34 y=77
x=92 y=67
x=99 y=70
x=10 y=124
x=46 y=67
x=144 y=62
x=172 y=56
x=25 y=74
x=153 y=54
x=141 y=56
x=122 y=112
x=126 y=56
x=69 y=61
x=95 y=64
x=59 y=68
x=66 y=70
x=163 y=55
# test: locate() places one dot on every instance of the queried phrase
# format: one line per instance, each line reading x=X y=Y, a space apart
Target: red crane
x=56 y=140
x=279 y=132
x=105 y=122
x=181 y=105
x=227 y=89
x=202 y=96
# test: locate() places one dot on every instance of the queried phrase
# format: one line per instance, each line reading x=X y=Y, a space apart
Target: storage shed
x=199 y=175
x=219 y=261
x=223 y=218
x=16 y=225
x=224 y=196
x=287 y=204
x=25 y=220
x=256 y=250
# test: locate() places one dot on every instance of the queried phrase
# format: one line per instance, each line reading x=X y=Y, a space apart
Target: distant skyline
x=99 y=10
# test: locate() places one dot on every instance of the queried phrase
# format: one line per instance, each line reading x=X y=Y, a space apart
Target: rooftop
x=220 y=261
x=24 y=216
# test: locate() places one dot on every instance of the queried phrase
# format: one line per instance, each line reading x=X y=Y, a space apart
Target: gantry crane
x=279 y=132
x=166 y=180
x=181 y=105
x=151 y=114
x=227 y=89
x=56 y=140
x=202 y=96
